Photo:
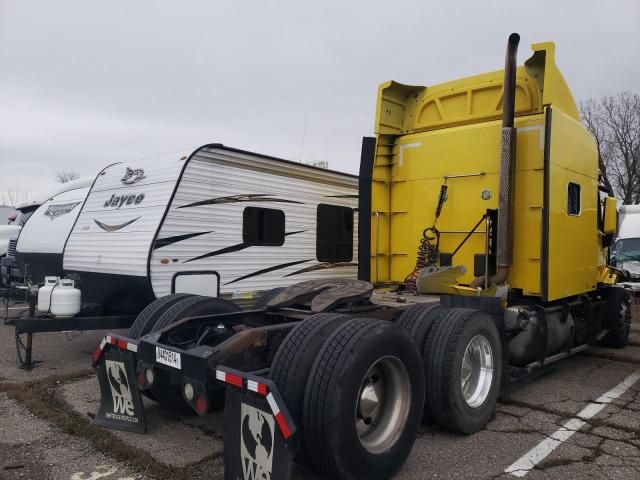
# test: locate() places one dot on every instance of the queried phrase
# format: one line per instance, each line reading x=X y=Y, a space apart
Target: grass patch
x=40 y=399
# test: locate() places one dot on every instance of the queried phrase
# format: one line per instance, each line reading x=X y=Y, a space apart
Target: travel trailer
x=218 y=221
x=48 y=236
x=41 y=241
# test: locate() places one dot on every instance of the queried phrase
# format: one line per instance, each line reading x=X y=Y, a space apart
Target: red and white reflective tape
x=230 y=378
x=96 y=355
x=121 y=344
x=116 y=342
x=257 y=387
x=279 y=416
x=261 y=389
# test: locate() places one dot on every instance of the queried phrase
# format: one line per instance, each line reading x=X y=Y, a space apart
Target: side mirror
x=610 y=216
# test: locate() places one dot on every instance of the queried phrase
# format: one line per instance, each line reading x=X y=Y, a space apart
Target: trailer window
x=573 y=202
x=263 y=226
x=334 y=234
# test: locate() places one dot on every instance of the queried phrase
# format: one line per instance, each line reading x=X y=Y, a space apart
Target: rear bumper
x=192 y=370
x=193 y=366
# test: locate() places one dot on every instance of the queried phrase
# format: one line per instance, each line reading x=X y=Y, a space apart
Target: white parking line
x=538 y=453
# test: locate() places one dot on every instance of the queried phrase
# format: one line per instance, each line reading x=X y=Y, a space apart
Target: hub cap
x=477 y=371
x=384 y=401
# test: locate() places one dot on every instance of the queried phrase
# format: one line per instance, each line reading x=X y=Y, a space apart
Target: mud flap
x=259 y=434
x=120 y=401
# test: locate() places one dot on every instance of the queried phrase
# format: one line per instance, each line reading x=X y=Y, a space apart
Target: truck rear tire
x=163 y=391
x=293 y=361
x=618 y=318
x=266 y=298
x=363 y=401
x=417 y=321
x=147 y=318
x=464 y=369
x=193 y=306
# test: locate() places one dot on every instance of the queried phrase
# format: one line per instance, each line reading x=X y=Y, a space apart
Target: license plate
x=169 y=358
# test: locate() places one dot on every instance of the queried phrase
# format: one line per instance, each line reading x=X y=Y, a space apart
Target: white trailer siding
x=114 y=238
x=138 y=229
x=294 y=189
x=42 y=238
x=49 y=226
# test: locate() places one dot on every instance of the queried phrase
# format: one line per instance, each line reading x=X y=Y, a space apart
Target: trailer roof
x=290 y=162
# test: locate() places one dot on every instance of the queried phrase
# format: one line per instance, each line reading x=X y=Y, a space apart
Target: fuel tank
x=543 y=333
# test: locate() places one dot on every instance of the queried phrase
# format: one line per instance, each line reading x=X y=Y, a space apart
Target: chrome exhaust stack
x=506 y=194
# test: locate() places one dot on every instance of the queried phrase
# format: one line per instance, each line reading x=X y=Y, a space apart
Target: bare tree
x=13 y=197
x=615 y=123
x=65 y=176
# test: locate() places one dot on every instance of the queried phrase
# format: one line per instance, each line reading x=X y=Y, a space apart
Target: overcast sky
x=86 y=83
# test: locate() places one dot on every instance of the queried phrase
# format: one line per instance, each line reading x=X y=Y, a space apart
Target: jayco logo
x=117 y=201
x=132 y=176
x=120 y=392
x=55 y=211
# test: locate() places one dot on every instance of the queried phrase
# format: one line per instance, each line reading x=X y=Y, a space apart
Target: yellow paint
x=405 y=109
x=610 y=216
x=573 y=239
x=606 y=275
x=426 y=135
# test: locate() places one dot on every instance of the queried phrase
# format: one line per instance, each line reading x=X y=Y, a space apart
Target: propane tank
x=44 y=293
x=65 y=299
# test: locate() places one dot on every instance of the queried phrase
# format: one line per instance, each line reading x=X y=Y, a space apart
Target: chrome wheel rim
x=476 y=373
x=383 y=404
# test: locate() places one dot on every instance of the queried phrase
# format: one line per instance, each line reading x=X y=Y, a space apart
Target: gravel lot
x=46 y=430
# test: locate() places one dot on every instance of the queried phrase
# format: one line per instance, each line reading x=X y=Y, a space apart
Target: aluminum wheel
x=477 y=371
x=384 y=401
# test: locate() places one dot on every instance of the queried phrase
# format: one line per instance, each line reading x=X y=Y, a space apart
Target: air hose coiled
x=429 y=246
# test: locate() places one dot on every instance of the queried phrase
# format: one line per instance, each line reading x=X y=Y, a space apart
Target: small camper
x=36 y=238
x=41 y=241
x=217 y=222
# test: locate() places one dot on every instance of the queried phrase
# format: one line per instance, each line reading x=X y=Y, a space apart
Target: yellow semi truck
x=483 y=245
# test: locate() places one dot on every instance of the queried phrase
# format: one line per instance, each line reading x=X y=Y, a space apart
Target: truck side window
x=263 y=226
x=573 y=201
x=334 y=233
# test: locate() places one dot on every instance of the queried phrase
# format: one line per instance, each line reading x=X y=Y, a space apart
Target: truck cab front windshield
x=628 y=249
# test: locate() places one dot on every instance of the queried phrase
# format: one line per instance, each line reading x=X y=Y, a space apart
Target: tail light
x=201 y=404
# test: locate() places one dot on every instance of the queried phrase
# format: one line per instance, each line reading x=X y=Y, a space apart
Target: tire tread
x=140 y=326
x=317 y=399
